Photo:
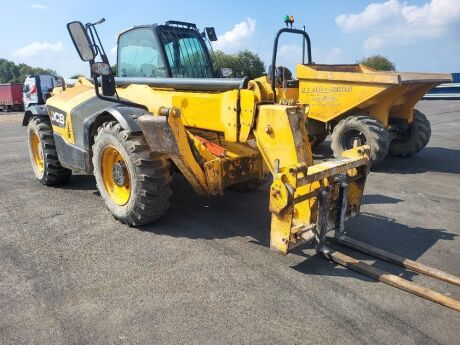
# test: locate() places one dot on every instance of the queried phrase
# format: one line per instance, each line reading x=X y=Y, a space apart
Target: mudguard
x=34 y=110
x=84 y=117
x=126 y=116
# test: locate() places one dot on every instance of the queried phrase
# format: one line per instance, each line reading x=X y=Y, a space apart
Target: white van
x=37 y=88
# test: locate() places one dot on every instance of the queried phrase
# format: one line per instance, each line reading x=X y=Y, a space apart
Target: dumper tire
x=134 y=182
x=43 y=155
x=414 y=139
x=366 y=130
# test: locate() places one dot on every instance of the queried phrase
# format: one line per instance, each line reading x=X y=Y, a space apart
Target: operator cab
x=173 y=50
x=37 y=88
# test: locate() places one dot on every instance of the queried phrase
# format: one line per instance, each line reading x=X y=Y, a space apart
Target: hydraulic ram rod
x=390 y=279
x=399 y=260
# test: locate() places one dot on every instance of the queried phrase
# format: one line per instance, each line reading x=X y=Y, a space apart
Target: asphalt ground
x=204 y=274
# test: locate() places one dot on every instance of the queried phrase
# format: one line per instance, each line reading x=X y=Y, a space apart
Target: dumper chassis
x=355 y=104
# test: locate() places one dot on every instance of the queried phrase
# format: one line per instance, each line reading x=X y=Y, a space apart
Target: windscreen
x=186 y=52
x=139 y=56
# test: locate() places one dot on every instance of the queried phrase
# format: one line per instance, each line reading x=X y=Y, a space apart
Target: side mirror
x=25 y=88
x=226 y=72
x=100 y=68
x=81 y=41
x=211 y=32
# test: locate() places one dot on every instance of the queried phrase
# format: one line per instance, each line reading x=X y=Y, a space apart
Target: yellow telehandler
x=166 y=109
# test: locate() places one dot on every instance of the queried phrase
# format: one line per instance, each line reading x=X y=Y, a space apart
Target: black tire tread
x=152 y=171
x=55 y=174
x=420 y=136
x=377 y=136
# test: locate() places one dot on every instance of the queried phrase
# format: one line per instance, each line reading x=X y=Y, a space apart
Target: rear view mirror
x=100 y=68
x=211 y=32
x=81 y=41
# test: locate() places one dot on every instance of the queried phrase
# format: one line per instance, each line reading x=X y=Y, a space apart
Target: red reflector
x=213 y=148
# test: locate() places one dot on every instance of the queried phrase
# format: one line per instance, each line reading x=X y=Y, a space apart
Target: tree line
x=11 y=72
x=247 y=63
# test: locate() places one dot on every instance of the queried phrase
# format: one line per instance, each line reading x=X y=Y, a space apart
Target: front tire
x=133 y=181
x=364 y=130
x=42 y=152
x=414 y=139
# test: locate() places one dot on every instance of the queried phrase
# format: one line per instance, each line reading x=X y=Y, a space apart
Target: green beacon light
x=288 y=20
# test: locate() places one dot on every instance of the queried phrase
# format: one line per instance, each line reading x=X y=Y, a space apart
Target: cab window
x=186 y=54
x=139 y=56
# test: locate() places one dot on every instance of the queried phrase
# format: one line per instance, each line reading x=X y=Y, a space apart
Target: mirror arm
x=119 y=100
x=99 y=50
x=100 y=44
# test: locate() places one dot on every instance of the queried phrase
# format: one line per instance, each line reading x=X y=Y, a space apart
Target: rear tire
x=140 y=191
x=415 y=139
x=364 y=130
x=43 y=155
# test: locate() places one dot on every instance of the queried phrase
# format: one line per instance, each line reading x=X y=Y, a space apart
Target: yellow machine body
x=335 y=91
x=220 y=139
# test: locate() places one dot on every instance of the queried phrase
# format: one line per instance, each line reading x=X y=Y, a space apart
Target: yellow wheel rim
x=37 y=151
x=115 y=176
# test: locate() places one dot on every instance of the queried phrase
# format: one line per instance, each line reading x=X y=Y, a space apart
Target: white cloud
x=39 y=6
x=395 y=22
x=334 y=56
x=287 y=51
x=374 y=43
x=38 y=48
x=113 y=51
x=289 y=55
x=372 y=15
x=236 y=37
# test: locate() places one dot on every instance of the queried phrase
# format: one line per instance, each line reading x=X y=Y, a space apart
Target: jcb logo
x=57 y=119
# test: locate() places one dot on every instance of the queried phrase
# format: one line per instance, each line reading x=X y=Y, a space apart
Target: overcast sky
x=418 y=35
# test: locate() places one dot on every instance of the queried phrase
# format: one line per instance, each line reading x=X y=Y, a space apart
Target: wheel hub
x=353 y=138
x=118 y=173
x=115 y=176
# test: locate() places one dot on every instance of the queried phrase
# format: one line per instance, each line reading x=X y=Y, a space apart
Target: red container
x=11 y=96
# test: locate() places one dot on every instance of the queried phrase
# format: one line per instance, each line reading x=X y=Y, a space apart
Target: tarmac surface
x=204 y=274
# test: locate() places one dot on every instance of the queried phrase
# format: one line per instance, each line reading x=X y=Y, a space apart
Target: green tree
x=76 y=76
x=16 y=73
x=378 y=62
x=244 y=63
